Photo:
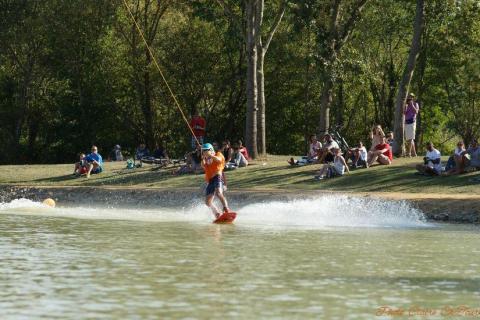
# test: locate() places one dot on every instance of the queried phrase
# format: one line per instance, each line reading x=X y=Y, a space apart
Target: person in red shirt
x=243 y=150
x=381 y=154
x=198 y=126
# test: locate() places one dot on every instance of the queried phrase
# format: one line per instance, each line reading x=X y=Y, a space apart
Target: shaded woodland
x=76 y=73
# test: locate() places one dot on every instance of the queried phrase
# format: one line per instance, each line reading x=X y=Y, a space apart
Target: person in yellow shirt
x=213 y=164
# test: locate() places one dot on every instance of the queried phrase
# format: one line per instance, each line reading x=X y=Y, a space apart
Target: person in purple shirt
x=410 y=112
x=94 y=162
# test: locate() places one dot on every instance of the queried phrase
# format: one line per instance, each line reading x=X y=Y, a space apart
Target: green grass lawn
x=272 y=174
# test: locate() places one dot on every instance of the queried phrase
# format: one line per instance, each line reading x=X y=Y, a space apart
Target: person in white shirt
x=314 y=147
x=358 y=156
x=326 y=154
x=432 y=162
x=338 y=167
x=456 y=157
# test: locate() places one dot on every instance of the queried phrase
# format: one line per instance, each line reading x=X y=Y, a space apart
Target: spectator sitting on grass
x=80 y=166
x=474 y=152
x=243 y=150
x=470 y=159
x=94 y=162
x=227 y=151
x=159 y=152
x=390 y=139
x=358 y=156
x=432 y=163
x=336 y=169
x=238 y=159
x=326 y=154
x=451 y=166
x=142 y=152
x=116 y=154
x=314 y=147
x=382 y=154
x=193 y=162
x=376 y=135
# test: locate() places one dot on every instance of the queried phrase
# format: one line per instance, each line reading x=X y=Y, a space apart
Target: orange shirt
x=214 y=166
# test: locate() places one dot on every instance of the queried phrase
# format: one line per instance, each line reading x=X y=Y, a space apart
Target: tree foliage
x=76 y=73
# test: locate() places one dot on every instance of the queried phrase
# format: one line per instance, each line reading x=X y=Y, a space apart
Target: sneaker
x=318 y=177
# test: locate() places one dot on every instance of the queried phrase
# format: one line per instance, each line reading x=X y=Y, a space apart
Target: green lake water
x=273 y=263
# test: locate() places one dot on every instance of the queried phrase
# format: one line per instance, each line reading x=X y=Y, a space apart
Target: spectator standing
x=410 y=112
x=432 y=163
x=198 y=125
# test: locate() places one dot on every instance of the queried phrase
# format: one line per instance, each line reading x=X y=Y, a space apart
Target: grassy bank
x=272 y=174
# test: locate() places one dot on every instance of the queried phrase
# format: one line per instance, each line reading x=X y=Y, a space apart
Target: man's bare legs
x=91 y=166
x=212 y=206
x=411 y=152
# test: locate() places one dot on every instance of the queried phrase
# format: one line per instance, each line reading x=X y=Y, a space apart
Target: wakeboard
x=225 y=218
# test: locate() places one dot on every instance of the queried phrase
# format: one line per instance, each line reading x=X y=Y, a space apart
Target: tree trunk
x=147 y=105
x=407 y=77
x=261 y=125
x=262 y=48
x=251 y=121
x=259 y=7
x=339 y=120
x=325 y=103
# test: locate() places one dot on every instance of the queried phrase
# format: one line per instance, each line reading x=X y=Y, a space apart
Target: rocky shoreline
x=456 y=209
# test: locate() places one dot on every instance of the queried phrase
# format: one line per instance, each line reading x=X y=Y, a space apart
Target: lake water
x=329 y=258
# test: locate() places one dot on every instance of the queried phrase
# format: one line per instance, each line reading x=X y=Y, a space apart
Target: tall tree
x=262 y=47
x=342 y=17
x=251 y=119
x=401 y=97
x=147 y=13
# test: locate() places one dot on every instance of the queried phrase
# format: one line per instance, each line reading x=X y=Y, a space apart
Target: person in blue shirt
x=94 y=162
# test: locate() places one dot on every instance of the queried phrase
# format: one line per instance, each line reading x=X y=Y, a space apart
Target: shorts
x=361 y=163
x=329 y=157
x=214 y=184
x=332 y=173
x=97 y=170
x=410 y=131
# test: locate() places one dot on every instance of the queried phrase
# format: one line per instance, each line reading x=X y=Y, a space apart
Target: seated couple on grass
x=89 y=164
x=335 y=169
x=464 y=160
x=193 y=162
x=317 y=152
x=236 y=155
x=159 y=155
